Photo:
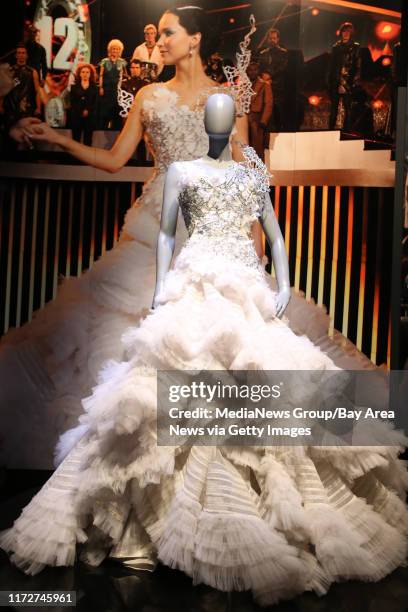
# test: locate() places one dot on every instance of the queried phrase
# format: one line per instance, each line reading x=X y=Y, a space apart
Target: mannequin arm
x=279 y=257
x=168 y=224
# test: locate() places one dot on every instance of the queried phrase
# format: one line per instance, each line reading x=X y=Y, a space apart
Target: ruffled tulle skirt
x=276 y=520
x=51 y=363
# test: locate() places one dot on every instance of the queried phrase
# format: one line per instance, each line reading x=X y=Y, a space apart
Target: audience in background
x=149 y=55
x=110 y=77
x=214 y=68
x=24 y=99
x=37 y=57
x=276 y=74
x=260 y=110
x=274 y=60
x=84 y=99
x=134 y=82
x=344 y=77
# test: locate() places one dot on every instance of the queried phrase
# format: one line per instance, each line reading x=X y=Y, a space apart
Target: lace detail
x=174 y=131
x=219 y=211
x=254 y=162
x=238 y=80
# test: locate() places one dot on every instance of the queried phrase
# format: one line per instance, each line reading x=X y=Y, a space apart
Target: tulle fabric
x=277 y=521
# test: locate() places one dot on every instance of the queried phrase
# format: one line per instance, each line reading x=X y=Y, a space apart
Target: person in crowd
x=214 y=68
x=344 y=76
x=12 y=133
x=396 y=80
x=84 y=99
x=149 y=54
x=274 y=60
x=110 y=77
x=24 y=99
x=261 y=109
x=37 y=56
x=134 y=82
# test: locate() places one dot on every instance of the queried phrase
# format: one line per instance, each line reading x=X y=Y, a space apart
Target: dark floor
x=111 y=588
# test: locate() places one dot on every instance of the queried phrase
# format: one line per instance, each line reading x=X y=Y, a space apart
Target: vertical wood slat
x=93 y=228
x=287 y=217
x=132 y=194
x=10 y=245
x=363 y=273
x=16 y=235
x=45 y=246
x=299 y=241
x=2 y=199
x=322 y=262
x=69 y=235
x=276 y=207
x=310 y=244
x=276 y=201
x=389 y=341
x=377 y=283
x=333 y=281
x=33 y=253
x=105 y=218
x=21 y=255
x=81 y=230
x=116 y=217
x=349 y=257
x=57 y=243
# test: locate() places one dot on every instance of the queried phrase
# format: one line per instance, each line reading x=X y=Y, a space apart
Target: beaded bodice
x=174 y=131
x=219 y=209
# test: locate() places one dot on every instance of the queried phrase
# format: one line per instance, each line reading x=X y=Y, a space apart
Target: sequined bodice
x=175 y=132
x=219 y=210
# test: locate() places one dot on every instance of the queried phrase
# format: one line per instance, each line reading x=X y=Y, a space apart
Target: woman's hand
x=101 y=92
x=42 y=132
x=17 y=131
x=282 y=300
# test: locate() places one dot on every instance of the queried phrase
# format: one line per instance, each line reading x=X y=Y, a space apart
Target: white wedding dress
x=316 y=515
x=49 y=364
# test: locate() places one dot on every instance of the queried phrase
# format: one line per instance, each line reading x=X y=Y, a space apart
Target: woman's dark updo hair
x=194 y=19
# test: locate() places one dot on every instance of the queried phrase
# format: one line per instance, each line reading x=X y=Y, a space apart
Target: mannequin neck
x=219 y=147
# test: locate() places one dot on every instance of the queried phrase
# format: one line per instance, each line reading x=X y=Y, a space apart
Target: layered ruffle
x=276 y=520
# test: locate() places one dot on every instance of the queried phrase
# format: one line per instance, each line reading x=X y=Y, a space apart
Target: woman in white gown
x=316 y=514
x=48 y=365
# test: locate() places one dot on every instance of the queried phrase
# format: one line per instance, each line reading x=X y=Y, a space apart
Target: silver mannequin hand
x=280 y=262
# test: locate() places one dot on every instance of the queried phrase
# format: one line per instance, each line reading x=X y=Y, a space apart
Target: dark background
x=125 y=19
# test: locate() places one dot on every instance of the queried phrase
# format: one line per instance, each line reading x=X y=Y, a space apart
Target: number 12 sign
x=65 y=33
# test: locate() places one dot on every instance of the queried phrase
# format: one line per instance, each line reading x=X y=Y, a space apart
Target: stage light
x=386 y=30
x=232 y=20
x=377 y=104
x=315 y=12
x=386 y=61
x=314 y=100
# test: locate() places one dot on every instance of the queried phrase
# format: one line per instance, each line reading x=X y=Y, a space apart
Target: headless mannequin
x=219 y=120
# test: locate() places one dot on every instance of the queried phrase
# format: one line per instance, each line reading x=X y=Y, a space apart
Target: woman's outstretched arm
x=112 y=160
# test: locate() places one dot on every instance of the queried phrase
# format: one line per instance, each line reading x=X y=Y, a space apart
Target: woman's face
x=174 y=41
x=114 y=51
x=85 y=74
